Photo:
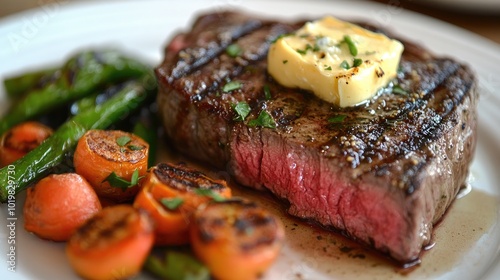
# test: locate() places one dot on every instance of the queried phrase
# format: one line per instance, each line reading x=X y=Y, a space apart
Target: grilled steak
x=382 y=173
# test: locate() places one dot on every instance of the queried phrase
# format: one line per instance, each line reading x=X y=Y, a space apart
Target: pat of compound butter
x=339 y=62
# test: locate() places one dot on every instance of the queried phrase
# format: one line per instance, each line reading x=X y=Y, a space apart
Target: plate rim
x=489 y=46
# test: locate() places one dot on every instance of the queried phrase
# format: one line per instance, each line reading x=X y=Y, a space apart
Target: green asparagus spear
x=17 y=176
x=15 y=87
x=80 y=76
x=92 y=100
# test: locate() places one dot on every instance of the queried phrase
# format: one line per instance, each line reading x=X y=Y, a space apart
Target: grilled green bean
x=37 y=163
x=82 y=75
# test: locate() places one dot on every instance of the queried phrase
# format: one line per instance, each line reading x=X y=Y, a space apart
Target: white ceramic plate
x=468 y=239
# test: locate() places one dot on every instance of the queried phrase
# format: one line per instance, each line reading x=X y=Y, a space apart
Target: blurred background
x=479 y=16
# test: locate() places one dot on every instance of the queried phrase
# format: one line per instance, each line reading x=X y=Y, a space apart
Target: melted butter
x=339 y=62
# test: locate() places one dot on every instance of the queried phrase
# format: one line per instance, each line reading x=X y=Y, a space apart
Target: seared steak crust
x=384 y=175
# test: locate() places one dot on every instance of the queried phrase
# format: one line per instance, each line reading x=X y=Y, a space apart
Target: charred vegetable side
x=112 y=161
x=113 y=244
x=21 y=139
x=50 y=153
x=82 y=75
x=171 y=193
x=59 y=204
x=236 y=239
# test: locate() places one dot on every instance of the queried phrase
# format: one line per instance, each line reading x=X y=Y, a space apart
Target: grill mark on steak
x=383 y=176
x=211 y=35
x=208 y=78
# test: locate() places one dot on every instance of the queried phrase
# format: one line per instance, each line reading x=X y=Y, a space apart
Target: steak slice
x=382 y=173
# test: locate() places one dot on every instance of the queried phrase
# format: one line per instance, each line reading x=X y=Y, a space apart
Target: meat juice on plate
x=311 y=252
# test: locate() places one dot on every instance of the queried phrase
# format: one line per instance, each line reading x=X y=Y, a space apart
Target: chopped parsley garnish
x=350 y=44
x=172 y=203
x=337 y=119
x=396 y=89
x=234 y=50
x=345 y=65
x=302 y=52
x=242 y=110
x=119 y=182
x=123 y=140
x=264 y=120
x=328 y=67
x=232 y=85
x=209 y=193
x=357 y=62
x=308 y=47
x=135 y=148
x=267 y=92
